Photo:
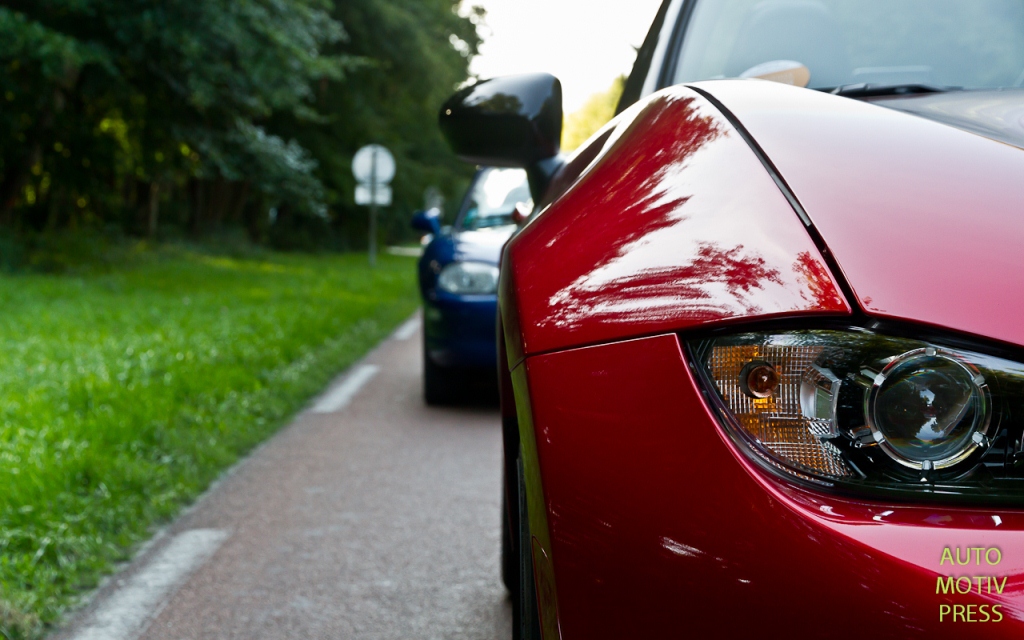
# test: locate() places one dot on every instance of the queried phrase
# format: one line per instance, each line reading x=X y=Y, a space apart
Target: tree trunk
x=197 y=198
x=10 y=189
x=218 y=198
x=55 y=201
x=154 y=210
x=241 y=199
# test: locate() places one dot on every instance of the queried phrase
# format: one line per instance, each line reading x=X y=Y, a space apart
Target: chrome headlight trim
x=978 y=435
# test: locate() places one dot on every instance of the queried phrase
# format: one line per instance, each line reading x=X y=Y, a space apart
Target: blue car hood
x=481 y=245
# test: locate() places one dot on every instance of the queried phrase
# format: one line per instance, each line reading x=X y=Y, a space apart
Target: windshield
x=493 y=198
x=944 y=43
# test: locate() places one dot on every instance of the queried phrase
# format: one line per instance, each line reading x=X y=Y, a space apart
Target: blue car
x=458 y=277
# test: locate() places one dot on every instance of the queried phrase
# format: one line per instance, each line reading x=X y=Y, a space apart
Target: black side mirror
x=427 y=221
x=514 y=121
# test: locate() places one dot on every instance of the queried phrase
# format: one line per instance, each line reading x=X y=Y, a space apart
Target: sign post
x=433 y=198
x=374 y=168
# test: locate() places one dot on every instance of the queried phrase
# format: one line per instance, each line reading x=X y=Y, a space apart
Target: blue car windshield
x=970 y=44
x=493 y=198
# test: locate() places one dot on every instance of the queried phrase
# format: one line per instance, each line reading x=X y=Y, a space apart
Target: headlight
x=869 y=412
x=468 y=278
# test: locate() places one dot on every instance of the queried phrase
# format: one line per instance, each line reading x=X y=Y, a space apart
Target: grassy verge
x=124 y=394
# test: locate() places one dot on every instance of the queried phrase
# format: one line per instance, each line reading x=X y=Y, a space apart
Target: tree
x=594 y=114
x=415 y=53
x=106 y=99
x=222 y=110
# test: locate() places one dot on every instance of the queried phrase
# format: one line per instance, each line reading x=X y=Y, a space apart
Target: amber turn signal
x=759 y=379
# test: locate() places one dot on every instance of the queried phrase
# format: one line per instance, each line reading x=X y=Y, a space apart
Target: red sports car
x=765 y=340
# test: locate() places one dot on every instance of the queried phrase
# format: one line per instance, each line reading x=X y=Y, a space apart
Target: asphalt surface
x=370 y=516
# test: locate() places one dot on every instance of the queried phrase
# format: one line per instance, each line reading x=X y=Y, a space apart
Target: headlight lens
x=925 y=408
x=859 y=409
x=468 y=278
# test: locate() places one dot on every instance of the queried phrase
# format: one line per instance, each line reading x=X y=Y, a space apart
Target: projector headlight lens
x=926 y=407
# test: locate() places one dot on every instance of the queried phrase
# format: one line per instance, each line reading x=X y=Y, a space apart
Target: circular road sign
x=373 y=161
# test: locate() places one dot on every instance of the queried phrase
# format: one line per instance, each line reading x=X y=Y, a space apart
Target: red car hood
x=925 y=219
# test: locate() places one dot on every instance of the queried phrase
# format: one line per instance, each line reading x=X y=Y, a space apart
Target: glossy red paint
x=659 y=528
x=925 y=220
x=674 y=223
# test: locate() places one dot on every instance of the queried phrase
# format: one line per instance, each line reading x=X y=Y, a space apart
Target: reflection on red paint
x=674 y=223
x=819 y=281
x=661 y=291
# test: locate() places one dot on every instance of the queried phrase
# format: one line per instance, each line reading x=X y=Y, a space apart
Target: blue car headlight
x=469 y=278
x=858 y=410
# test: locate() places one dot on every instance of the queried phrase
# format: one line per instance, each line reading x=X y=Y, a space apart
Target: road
x=369 y=516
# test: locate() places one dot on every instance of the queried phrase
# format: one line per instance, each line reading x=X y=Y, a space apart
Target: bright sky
x=586 y=43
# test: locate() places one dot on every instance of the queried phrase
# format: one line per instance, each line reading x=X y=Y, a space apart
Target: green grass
x=124 y=394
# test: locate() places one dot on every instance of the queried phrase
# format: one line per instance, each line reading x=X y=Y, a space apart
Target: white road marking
x=339 y=397
x=408 y=329
x=123 y=615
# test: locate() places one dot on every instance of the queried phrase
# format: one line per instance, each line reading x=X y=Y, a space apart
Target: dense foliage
x=160 y=115
x=406 y=78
